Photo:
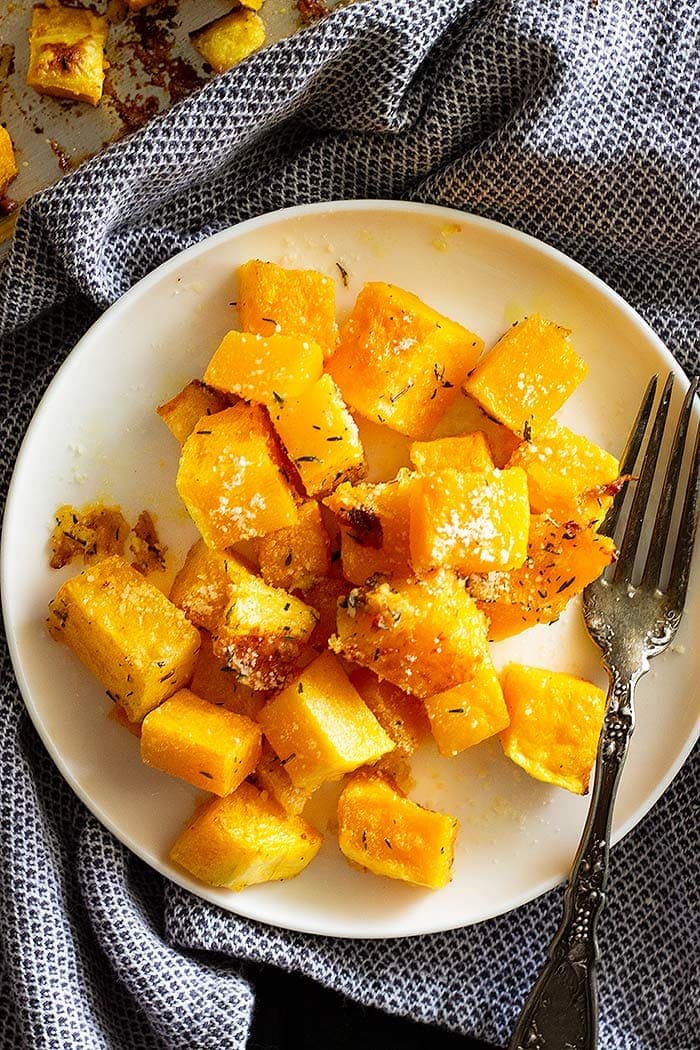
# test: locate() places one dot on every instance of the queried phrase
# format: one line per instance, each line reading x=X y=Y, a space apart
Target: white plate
x=96 y=435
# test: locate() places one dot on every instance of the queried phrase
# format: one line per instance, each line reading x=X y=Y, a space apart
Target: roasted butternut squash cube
x=243 y=839
x=387 y=834
x=402 y=717
x=561 y=467
x=399 y=361
x=294 y=302
x=561 y=561
x=267 y=369
x=528 y=375
x=470 y=522
x=230 y=479
x=220 y=684
x=90 y=533
x=182 y=412
x=324 y=597
x=320 y=436
x=424 y=636
x=374 y=527
x=226 y=41
x=466 y=452
x=272 y=777
x=555 y=723
x=320 y=727
x=66 y=52
x=8 y=163
x=208 y=746
x=464 y=416
x=201 y=587
x=263 y=631
x=135 y=641
x=296 y=557
x=468 y=713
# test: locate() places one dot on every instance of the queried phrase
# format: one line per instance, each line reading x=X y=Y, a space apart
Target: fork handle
x=561 y=1012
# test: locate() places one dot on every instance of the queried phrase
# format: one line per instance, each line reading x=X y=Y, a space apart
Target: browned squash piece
x=528 y=375
x=221 y=685
x=8 y=162
x=424 y=636
x=182 y=412
x=320 y=727
x=324 y=597
x=470 y=522
x=320 y=436
x=66 y=52
x=466 y=452
x=561 y=468
x=374 y=527
x=297 y=557
x=267 y=369
x=201 y=587
x=264 y=629
x=271 y=776
x=208 y=746
x=243 y=839
x=399 y=361
x=293 y=302
x=468 y=713
x=561 y=561
x=401 y=716
x=555 y=722
x=381 y=830
x=127 y=633
x=90 y=533
x=226 y=41
x=230 y=478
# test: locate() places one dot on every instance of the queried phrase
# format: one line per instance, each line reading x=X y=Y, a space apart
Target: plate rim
x=141 y=287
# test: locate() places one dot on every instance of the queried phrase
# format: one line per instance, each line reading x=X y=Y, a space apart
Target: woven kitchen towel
x=570 y=119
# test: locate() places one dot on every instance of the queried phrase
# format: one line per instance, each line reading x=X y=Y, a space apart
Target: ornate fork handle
x=562 y=1012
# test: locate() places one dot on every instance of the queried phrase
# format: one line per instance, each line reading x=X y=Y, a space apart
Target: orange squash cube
x=207 y=746
x=464 y=416
x=220 y=684
x=272 y=777
x=243 y=839
x=374 y=527
x=320 y=436
x=555 y=723
x=230 y=480
x=182 y=412
x=229 y=39
x=528 y=375
x=561 y=467
x=8 y=162
x=66 y=52
x=424 y=636
x=127 y=633
x=320 y=727
x=470 y=522
x=297 y=557
x=466 y=452
x=201 y=587
x=468 y=713
x=402 y=717
x=263 y=631
x=389 y=835
x=268 y=369
x=293 y=302
x=561 y=561
x=399 y=361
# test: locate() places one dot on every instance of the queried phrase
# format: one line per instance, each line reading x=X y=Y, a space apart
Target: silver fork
x=631 y=622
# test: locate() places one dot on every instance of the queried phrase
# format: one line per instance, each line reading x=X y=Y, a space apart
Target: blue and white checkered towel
x=574 y=120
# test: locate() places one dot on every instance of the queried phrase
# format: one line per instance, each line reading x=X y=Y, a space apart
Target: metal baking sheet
x=152 y=65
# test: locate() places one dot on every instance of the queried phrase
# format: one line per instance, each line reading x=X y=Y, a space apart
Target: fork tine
x=680 y=569
x=657 y=547
x=629 y=456
x=630 y=539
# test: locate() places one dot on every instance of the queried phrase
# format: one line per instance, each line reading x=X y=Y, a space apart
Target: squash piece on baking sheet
x=226 y=41
x=388 y=834
x=66 y=52
x=243 y=839
x=400 y=362
x=555 y=723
